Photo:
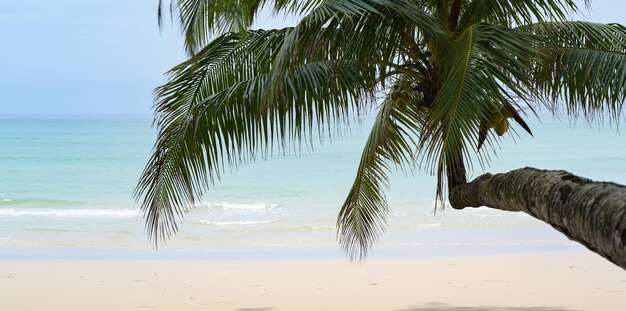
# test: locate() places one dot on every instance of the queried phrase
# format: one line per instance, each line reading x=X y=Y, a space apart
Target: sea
x=66 y=192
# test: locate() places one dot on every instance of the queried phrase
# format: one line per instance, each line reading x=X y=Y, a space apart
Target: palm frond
x=517 y=12
x=213 y=113
x=245 y=94
x=452 y=118
x=200 y=20
x=391 y=142
x=370 y=31
x=486 y=66
x=583 y=66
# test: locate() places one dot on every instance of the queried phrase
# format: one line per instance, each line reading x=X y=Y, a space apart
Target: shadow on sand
x=445 y=307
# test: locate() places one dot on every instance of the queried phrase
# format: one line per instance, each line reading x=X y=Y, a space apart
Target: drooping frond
x=484 y=68
x=216 y=110
x=451 y=120
x=467 y=63
x=213 y=113
x=506 y=55
x=517 y=12
x=202 y=19
x=368 y=30
x=167 y=183
x=391 y=142
x=584 y=66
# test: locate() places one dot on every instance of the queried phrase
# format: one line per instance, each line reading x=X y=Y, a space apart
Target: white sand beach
x=563 y=281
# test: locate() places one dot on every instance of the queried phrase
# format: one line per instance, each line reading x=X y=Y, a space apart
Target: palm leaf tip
x=359 y=227
x=363 y=216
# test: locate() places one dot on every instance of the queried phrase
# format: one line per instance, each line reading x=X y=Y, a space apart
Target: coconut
x=501 y=127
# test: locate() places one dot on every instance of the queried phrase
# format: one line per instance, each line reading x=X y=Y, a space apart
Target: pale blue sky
x=104 y=57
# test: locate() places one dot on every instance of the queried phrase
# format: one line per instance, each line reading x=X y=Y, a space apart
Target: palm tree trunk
x=591 y=213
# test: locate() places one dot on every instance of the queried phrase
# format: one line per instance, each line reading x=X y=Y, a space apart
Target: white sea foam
x=491 y=215
x=6 y=200
x=238 y=206
x=323 y=227
x=429 y=226
x=482 y=208
x=69 y=212
x=234 y=223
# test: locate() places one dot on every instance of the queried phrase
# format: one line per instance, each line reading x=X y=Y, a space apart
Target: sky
x=104 y=57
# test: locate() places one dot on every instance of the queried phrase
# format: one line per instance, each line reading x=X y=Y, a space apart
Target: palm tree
x=446 y=78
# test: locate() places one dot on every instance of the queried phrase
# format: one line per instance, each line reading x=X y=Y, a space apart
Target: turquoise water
x=66 y=189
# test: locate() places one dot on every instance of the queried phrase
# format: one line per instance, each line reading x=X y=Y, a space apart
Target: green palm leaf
x=584 y=66
x=245 y=94
x=517 y=12
x=391 y=142
x=213 y=113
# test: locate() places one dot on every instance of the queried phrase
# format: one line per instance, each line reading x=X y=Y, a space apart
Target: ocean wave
x=69 y=212
x=39 y=202
x=492 y=215
x=44 y=230
x=234 y=223
x=323 y=227
x=429 y=226
x=242 y=206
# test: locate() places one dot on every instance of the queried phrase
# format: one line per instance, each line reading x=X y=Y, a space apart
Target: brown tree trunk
x=591 y=213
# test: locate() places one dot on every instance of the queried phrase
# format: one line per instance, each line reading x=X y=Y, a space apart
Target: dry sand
x=536 y=282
